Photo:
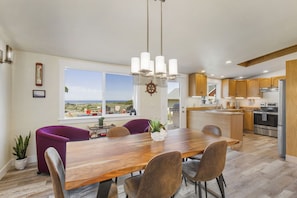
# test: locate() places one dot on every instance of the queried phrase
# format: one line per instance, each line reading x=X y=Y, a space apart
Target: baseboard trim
x=291 y=158
x=10 y=165
x=6 y=168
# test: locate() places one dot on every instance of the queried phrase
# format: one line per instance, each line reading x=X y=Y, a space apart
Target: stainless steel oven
x=265 y=121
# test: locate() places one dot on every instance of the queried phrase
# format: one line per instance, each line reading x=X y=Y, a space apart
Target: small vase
x=159 y=136
x=20 y=164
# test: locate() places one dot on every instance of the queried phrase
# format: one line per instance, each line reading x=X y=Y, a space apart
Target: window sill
x=92 y=119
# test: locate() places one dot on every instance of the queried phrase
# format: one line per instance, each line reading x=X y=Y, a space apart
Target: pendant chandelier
x=145 y=66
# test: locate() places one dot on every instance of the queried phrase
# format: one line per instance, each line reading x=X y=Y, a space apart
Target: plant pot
x=20 y=164
x=159 y=136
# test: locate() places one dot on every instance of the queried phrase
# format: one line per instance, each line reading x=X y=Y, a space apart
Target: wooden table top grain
x=97 y=160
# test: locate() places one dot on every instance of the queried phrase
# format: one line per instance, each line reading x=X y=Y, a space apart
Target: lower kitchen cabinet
x=248 y=120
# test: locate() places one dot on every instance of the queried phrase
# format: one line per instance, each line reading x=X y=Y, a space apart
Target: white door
x=176 y=110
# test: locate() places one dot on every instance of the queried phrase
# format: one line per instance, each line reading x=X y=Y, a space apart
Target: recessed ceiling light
x=212 y=75
x=202 y=71
x=222 y=76
x=240 y=77
x=265 y=71
x=228 y=62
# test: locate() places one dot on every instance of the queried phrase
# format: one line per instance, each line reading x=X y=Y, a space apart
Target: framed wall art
x=38 y=74
x=38 y=93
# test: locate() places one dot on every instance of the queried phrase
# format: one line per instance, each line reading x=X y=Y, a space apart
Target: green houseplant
x=101 y=120
x=158 y=130
x=156 y=126
x=20 y=151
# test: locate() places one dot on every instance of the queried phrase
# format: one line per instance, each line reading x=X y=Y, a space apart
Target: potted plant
x=20 y=150
x=157 y=130
x=101 y=120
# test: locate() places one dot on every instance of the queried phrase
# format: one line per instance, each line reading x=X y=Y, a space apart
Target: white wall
x=5 y=112
x=29 y=114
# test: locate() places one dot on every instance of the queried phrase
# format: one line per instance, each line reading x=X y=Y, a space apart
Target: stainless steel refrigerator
x=281 y=125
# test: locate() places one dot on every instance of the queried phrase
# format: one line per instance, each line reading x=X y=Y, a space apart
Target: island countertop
x=229 y=120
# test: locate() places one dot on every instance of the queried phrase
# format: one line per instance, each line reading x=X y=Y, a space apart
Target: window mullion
x=103 y=93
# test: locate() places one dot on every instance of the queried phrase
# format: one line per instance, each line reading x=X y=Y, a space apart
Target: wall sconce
x=1 y=56
x=9 y=54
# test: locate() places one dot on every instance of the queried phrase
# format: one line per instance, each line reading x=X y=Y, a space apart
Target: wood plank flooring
x=252 y=170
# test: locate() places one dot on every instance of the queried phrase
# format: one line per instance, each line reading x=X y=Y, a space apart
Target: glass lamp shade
x=172 y=67
x=135 y=65
x=160 y=65
x=145 y=62
x=152 y=68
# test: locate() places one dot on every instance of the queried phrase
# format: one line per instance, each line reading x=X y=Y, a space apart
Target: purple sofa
x=56 y=136
x=137 y=126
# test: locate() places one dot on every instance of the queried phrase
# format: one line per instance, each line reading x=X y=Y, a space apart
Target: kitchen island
x=229 y=120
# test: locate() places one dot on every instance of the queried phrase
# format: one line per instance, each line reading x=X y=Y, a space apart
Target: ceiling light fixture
x=145 y=66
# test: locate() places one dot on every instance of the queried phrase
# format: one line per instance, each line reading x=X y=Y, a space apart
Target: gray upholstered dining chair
x=57 y=172
x=209 y=167
x=117 y=132
x=210 y=130
x=161 y=178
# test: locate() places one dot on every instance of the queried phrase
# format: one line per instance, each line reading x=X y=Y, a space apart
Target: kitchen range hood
x=269 y=89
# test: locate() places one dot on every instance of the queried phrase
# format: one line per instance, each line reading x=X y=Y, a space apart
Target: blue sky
x=86 y=85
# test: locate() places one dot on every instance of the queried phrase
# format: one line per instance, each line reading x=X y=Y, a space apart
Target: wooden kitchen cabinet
x=274 y=80
x=240 y=88
x=248 y=120
x=253 y=87
x=228 y=88
x=264 y=82
x=197 y=85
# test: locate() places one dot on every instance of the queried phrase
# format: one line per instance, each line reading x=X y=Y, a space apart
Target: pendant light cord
x=147 y=27
x=161 y=27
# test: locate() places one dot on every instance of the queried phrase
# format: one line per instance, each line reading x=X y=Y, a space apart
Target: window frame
x=96 y=67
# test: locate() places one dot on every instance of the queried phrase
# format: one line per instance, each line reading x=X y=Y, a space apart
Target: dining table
x=98 y=160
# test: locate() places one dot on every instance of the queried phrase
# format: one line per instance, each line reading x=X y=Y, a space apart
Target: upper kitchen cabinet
x=241 y=88
x=233 y=88
x=274 y=80
x=197 y=84
x=228 y=88
x=264 y=82
x=253 y=87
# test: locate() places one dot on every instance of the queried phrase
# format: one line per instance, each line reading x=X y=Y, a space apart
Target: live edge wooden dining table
x=102 y=159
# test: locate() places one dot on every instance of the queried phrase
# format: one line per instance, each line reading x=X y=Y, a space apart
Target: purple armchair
x=137 y=126
x=56 y=136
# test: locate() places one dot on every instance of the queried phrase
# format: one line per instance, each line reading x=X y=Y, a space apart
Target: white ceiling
x=201 y=34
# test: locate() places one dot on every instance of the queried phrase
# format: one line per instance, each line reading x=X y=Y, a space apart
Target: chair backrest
x=212 y=162
x=117 y=132
x=162 y=176
x=137 y=125
x=57 y=172
x=212 y=129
